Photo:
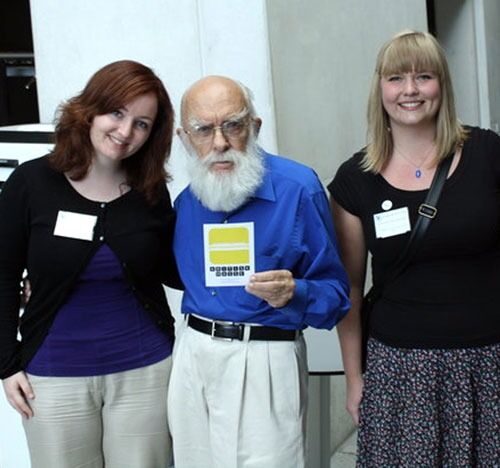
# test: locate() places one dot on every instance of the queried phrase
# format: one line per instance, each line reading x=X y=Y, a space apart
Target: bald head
x=216 y=93
x=223 y=105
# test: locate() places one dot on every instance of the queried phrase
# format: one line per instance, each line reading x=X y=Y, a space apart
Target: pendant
x=418 y=173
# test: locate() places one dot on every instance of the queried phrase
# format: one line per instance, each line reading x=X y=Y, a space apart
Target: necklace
x=418 y=167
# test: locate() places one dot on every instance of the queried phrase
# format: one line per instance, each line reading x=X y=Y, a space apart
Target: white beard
x=226 y=190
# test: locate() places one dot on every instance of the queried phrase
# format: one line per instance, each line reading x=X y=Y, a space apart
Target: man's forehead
x=215 y=100
x=216 y=115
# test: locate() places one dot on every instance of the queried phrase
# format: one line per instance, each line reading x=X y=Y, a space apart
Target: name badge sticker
x=391 y=223
x=229 y=253
x=75 y=225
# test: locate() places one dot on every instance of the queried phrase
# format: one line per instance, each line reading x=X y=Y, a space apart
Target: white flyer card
x=229 y=252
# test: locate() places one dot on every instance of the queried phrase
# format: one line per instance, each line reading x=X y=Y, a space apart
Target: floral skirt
x=430 y=408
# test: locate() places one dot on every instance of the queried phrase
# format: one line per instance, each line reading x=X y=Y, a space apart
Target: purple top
x=101 y=328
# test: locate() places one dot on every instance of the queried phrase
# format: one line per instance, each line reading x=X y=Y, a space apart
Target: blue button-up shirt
x=293 y=230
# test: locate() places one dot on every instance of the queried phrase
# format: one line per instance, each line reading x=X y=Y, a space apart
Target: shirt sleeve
x=14 y=227
x=341 y=187
x=321 y=296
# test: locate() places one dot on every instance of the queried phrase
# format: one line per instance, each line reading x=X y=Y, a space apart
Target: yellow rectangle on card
x=229 y=257
x=228 y=236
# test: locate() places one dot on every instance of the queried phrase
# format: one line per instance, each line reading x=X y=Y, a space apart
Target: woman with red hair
x=92 y=223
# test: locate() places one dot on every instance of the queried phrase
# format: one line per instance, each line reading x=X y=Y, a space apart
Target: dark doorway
x=18 y=94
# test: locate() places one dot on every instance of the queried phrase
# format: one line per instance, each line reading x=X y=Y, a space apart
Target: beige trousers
x=116 y=420
x=238 y=404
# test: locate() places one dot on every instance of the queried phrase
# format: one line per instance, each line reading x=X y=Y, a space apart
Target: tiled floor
x=345 y=456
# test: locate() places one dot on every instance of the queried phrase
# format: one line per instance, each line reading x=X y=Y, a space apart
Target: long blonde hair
x=405 y=52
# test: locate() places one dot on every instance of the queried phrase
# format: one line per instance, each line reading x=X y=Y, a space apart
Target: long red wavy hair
x=109 y=89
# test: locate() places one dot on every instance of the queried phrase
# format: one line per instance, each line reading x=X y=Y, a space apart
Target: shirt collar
x=265 y=191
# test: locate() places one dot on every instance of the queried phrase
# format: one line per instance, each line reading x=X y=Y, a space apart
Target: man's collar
x=266 y=188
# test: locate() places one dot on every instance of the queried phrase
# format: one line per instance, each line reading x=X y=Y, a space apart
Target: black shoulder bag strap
x=427 y=211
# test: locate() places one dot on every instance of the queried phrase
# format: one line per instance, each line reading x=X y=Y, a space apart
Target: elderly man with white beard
x=256 y=251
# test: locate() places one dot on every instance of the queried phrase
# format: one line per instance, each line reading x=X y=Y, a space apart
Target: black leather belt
x=235 y=331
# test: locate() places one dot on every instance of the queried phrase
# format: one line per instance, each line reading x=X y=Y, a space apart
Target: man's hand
x=25 y=291
x=276 y=287
x=18 y=391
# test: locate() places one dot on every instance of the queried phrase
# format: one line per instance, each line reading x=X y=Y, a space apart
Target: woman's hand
x=354 y=388
x=353 y=254
x=18 y=391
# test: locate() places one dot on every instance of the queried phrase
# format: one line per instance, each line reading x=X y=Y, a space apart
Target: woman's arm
x=14 y=214
x=353 y=254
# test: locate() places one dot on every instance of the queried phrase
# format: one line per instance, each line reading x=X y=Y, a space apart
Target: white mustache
x=230 y=156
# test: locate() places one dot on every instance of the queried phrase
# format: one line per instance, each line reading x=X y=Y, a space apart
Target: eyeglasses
x=231 y=130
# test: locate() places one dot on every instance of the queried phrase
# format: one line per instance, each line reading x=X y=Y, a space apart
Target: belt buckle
x=221 y=338
x=427 y=210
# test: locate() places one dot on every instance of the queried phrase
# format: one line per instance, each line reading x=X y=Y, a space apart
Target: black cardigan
x=139 y=233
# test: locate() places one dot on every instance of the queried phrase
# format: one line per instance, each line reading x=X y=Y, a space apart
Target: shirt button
x=103 y=205
x=101 y=238
x=213 y=293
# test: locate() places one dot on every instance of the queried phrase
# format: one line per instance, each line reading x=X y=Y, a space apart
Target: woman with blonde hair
x=429 y=396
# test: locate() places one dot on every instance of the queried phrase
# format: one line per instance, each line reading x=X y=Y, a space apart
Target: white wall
x=469 y=30
x=456 y=33
x=13 y=448
x=491 y=17
x=323 y=55
x=181 y=40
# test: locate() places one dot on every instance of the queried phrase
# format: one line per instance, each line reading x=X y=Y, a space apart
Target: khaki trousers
x=238 y=404
x=116 y=420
